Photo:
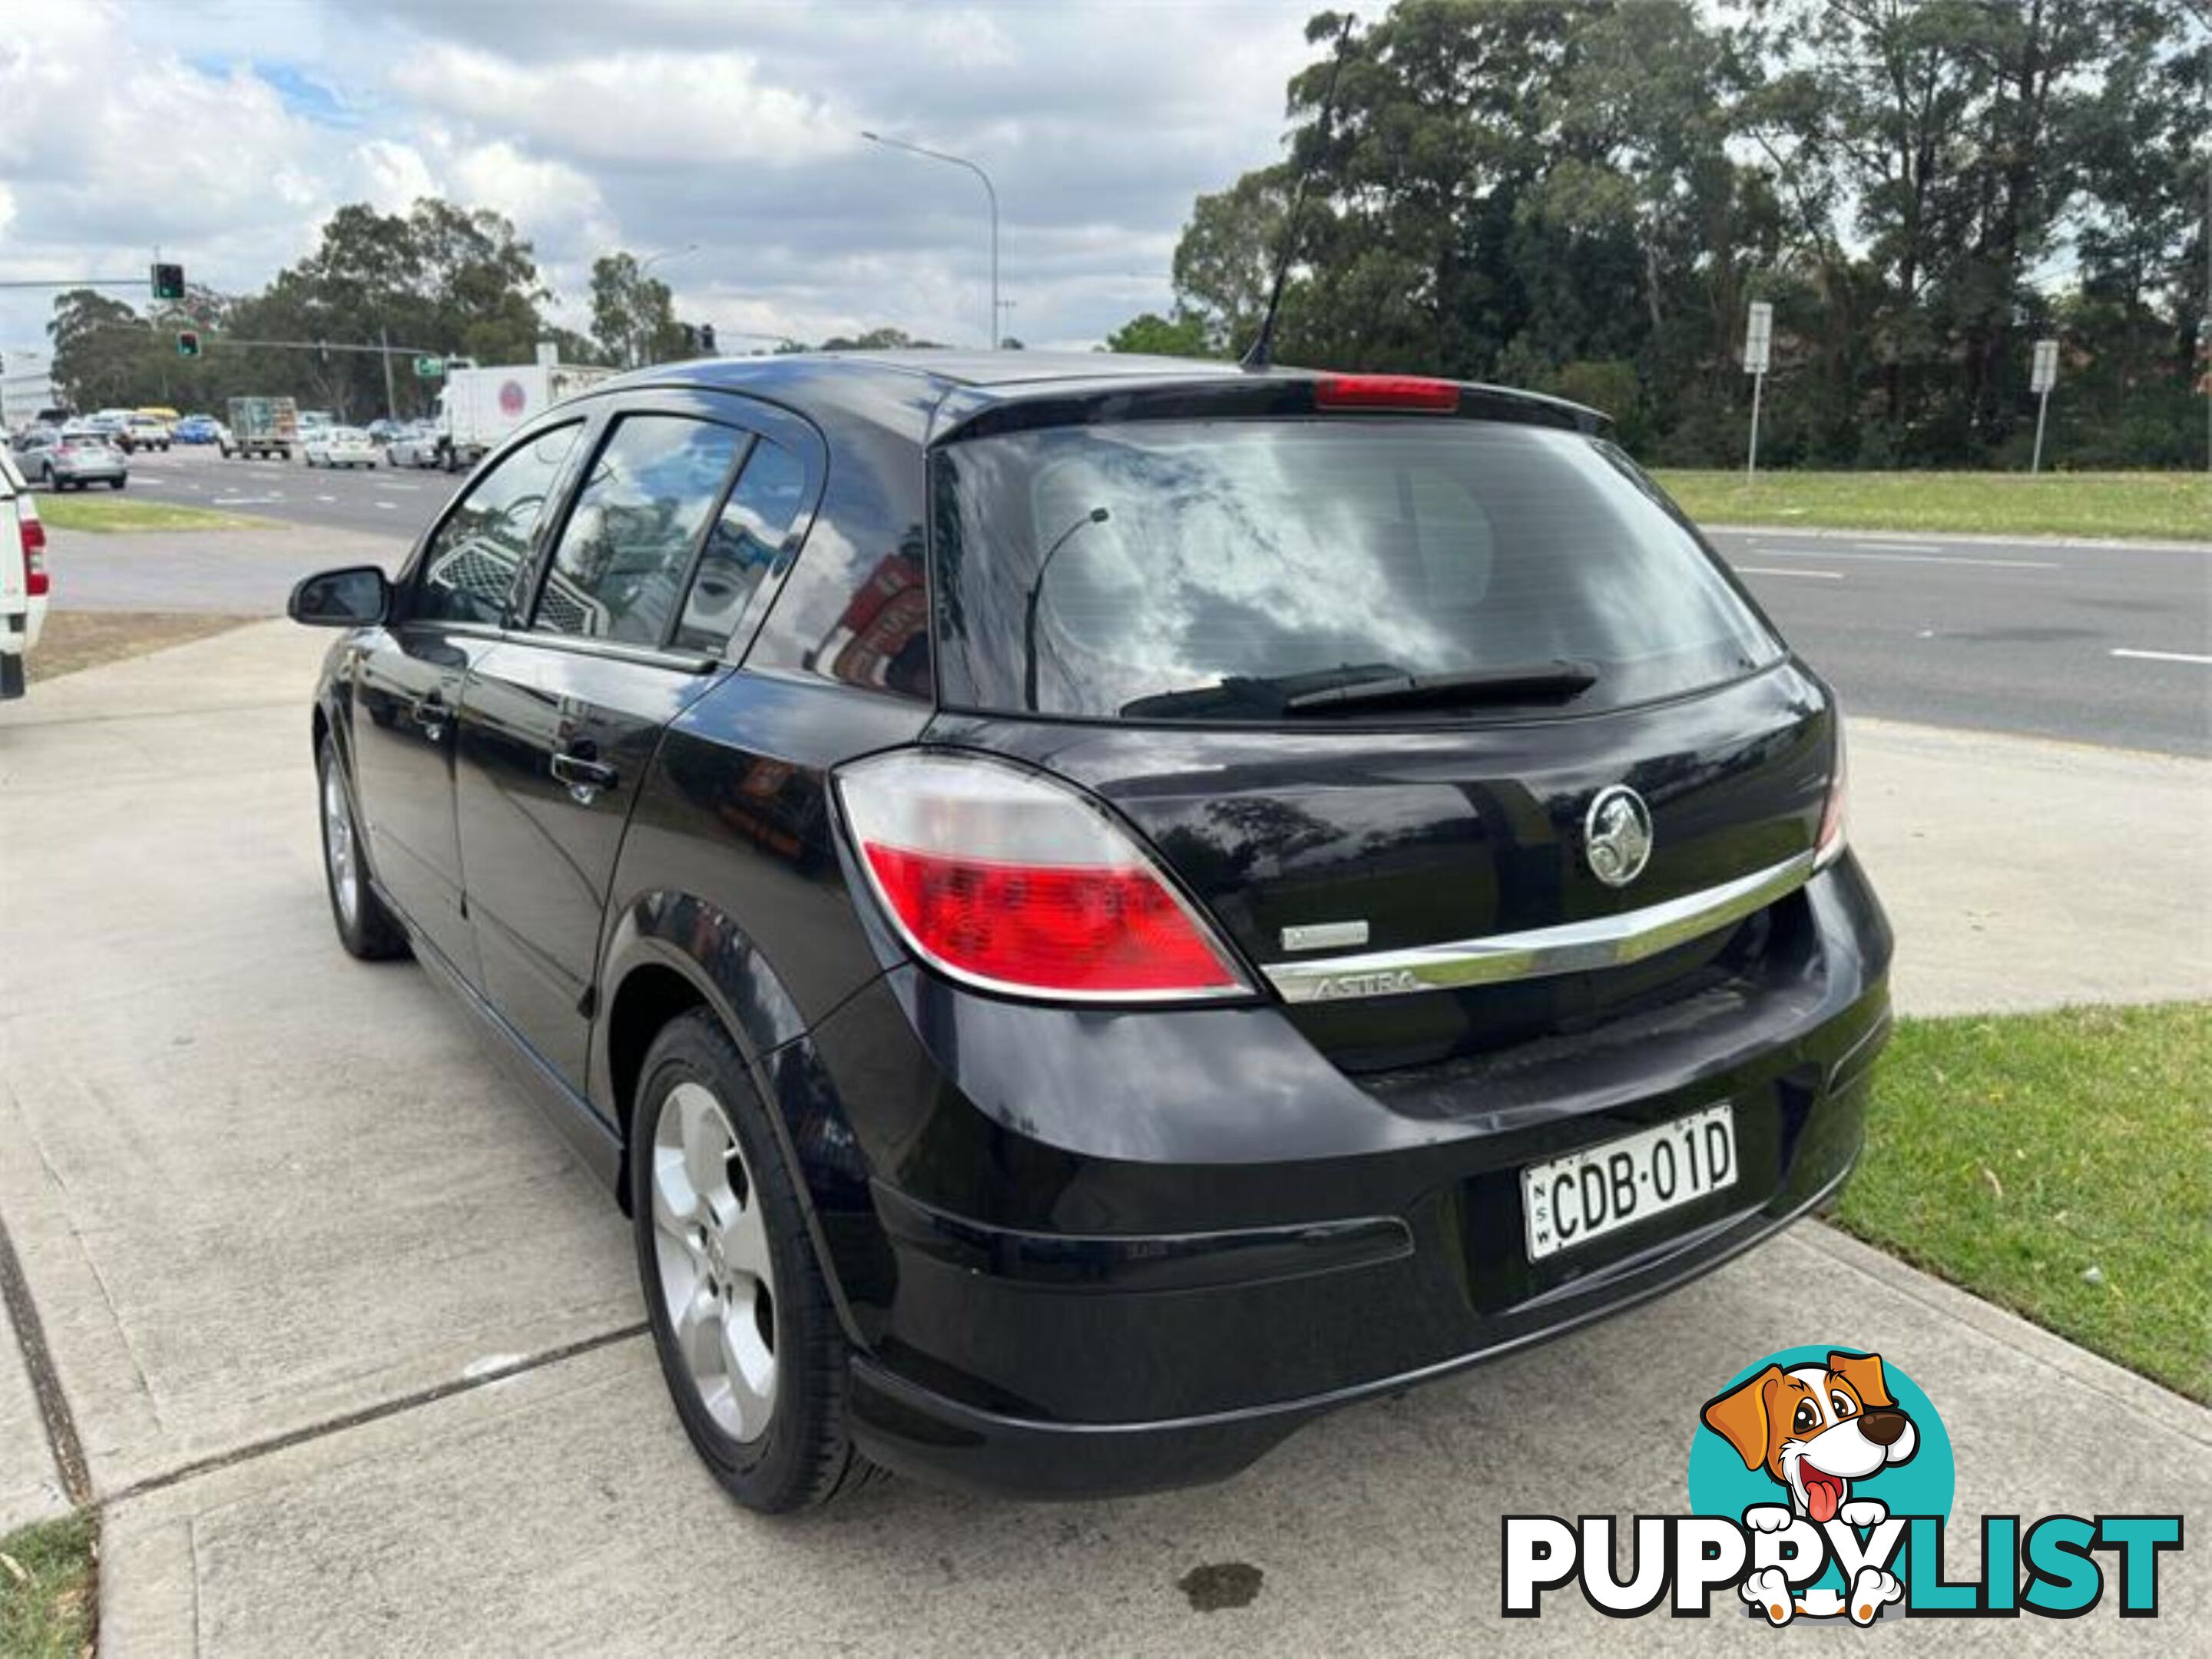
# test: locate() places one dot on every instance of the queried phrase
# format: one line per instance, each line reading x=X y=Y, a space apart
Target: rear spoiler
x=977 y=412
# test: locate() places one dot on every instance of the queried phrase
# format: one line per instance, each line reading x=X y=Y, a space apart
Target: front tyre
x=748 y=1337
x=366 y=929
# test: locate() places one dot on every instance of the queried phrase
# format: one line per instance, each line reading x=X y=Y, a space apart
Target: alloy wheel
x=711 y=1246
x=339 y=845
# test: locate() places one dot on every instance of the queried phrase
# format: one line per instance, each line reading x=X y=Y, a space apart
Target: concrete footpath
x=350 y=1345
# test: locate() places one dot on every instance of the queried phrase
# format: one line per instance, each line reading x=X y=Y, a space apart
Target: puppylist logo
x=1821 y=1481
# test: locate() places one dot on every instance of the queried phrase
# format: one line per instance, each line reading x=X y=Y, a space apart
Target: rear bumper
x=1106 y=1252
x=929 y=1436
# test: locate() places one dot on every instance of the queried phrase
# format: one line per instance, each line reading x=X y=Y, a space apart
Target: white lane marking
x=1900 y=547
x=389 y=507
x=2160 y=656
x=326 y=498
x=244 y=500
x=410 y=488
x=1769 y=570
x=1908 y=558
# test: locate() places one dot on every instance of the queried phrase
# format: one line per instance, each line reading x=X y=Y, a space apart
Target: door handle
x=430 y=713
x=585 y=776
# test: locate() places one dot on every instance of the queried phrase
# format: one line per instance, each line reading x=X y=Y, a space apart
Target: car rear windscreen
x=1239 y=570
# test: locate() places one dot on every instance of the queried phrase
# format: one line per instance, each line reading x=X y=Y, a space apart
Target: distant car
x=22 y=576
x=197 y=430
x=32 y=439
x=313 y=419
x=112 y=424
x=384 y=431
x=338 y=445
x=82 y=456
x=148 y=432
x=414 y=445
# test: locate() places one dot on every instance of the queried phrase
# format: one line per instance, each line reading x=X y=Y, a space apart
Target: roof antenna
x=1262 y=350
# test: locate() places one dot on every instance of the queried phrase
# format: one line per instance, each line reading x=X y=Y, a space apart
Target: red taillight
x=1829 y=847
x=1000 y=877
x=1385 y=392
x=34 y=549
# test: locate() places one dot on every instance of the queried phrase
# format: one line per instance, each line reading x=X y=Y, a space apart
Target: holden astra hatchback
x=1093 y=909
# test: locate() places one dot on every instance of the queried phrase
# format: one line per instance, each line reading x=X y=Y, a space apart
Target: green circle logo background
x=1720 y=1484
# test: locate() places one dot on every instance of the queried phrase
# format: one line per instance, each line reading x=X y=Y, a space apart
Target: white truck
x=22 y=576
x=480 y=406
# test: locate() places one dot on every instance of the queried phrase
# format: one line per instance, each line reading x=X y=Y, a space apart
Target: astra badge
x=1618 y=833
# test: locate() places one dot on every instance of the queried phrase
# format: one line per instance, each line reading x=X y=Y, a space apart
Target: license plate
x=1587 y=1194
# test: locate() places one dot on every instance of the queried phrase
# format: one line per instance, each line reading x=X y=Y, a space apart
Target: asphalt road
x=2091 y=642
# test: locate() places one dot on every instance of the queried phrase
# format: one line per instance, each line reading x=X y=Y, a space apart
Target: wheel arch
x=670 y=953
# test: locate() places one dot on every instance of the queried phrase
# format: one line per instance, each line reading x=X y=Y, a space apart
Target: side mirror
x=356 y=597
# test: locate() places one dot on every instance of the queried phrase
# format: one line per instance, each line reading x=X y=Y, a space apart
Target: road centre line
x=2162 y=656
x=1769 y=570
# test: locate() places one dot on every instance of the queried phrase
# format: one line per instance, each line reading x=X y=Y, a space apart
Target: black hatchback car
x=1092 y=908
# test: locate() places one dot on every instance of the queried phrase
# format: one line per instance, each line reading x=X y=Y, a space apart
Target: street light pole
x=991 y=342
x=644 y=265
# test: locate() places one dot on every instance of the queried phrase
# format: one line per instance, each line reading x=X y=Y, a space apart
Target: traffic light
x=707 y=340
x=169 y=281
x=188 y=343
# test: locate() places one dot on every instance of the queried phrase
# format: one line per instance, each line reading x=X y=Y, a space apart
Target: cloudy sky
x=225 y=131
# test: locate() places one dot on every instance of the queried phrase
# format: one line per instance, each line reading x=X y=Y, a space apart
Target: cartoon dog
x=1814 y=1429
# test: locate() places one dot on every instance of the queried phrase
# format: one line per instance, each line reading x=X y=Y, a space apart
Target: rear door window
x=743 y=545
x=1220 y=571
x=628 y=546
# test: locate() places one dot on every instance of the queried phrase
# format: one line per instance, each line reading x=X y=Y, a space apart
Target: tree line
x=1585 y=197
x=437 y=280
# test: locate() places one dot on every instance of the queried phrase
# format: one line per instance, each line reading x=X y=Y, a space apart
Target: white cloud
x=631 y=106
x=227 y=130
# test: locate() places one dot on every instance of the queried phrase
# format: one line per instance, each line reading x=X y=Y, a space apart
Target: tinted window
x=742 y=545
x=627 y=543
x=469 y=565
x=1212 y=570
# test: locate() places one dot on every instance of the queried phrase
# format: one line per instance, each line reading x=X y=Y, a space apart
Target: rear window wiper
x=1529 y=683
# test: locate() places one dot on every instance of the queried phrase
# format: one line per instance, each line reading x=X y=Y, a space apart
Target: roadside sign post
x=2041 y=378
x=1757 y=351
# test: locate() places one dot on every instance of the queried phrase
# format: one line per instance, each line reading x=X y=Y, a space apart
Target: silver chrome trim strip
x=1572 y=948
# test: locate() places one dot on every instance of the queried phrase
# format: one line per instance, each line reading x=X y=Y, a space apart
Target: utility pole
x=391 y=402
x=1757 y=352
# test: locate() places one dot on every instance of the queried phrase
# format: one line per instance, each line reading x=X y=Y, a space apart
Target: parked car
x=338 y=445
x=23 y=581
x=1095 y=908
x=81 y=457
x=417 y=444
x=197 y=430
x=148 y=432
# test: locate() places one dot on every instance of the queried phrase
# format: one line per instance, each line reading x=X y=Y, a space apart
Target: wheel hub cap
x=710 y=1245
x=338 y=838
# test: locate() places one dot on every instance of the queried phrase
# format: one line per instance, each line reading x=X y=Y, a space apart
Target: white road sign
x=2045 y=373
x=1759 y=339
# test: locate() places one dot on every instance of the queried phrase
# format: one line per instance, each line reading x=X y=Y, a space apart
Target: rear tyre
x=366 y=929
x=117 y=483
x=756 y=1361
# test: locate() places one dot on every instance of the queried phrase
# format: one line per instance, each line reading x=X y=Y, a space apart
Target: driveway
x=350 y=1345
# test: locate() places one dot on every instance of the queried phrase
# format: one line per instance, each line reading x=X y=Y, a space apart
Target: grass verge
x=109 y=512
x=85 y=639
x=49 y=1590
x=2059 y=1164
x=2150 y=506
